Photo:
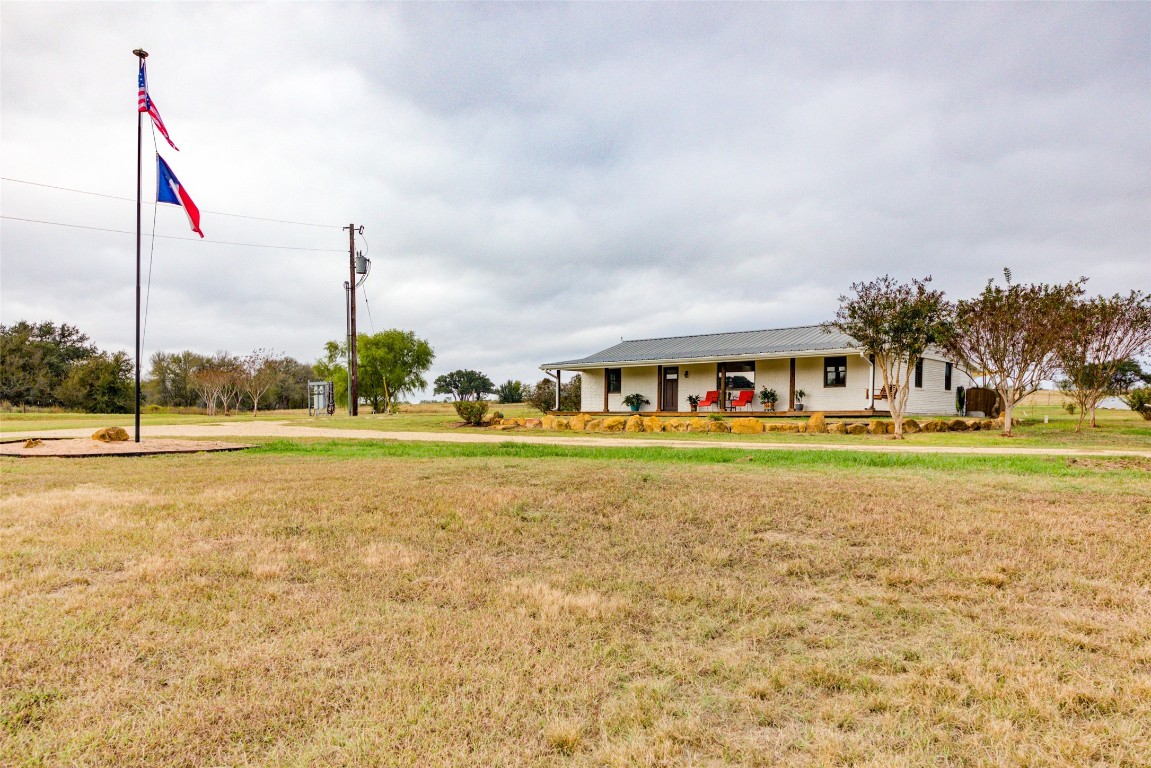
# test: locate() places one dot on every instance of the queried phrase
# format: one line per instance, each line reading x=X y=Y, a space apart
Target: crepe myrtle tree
x=1010 y=335
x=1102 y=338
x=894 y=323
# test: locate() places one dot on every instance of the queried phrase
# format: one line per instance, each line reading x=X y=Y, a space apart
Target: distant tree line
x=224 y=382
x=44 y=365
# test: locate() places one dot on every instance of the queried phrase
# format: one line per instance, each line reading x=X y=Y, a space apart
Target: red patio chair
x=710 y=399
x=743 y=399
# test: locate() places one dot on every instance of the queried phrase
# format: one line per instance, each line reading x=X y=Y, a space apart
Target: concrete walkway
x=282 y=429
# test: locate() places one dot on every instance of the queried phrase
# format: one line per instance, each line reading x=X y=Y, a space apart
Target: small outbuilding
x=806 y=367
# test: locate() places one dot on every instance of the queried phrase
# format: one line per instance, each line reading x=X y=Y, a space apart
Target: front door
x=671 y=388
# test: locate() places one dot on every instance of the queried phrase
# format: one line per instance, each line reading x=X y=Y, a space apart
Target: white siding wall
x=775 y=374
x=700 y=380
x=853 y=397
x=641 y=380
x=591 y=389
x=932 y=398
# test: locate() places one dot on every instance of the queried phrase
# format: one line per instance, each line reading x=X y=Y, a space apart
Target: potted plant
x=799 y=395
x=768 y=398
x=635 y=400
x=693 y=402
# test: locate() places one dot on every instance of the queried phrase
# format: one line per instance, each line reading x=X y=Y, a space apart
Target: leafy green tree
x=169 y=380
x=329 y=368
x=101 y=383
x=1010 y=335
x=392 y=363
x=542 y=396
x=36 y=357
x=291 y=387
x=464 y=384
x=895 y=323
x=510 y=392
x=1128 y=374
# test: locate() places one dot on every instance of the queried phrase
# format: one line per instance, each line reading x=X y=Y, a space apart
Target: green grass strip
x=805 y=458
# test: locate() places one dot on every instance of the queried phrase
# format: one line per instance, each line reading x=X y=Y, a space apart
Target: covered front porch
x=773 y=387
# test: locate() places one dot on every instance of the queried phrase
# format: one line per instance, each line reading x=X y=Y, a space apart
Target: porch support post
x=659 y=387
x=721 y=370
x=605 y=380
x=791 y=388
x=556 y=375
x=871 y=361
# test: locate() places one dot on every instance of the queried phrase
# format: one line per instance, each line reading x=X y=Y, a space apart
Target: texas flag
x=169 y=190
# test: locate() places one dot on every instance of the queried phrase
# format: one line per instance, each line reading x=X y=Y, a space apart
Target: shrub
x=1070 y=408
x=472 y=411
x=715 y=416
x=1139 y=400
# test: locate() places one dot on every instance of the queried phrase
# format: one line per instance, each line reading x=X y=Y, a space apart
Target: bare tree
x=257 y=373
x=217 y=380
x=1102 y=335
x=207 y=383
x=895 y=323
x=1010 y=335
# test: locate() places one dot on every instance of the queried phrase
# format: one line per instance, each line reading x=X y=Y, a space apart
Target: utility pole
x=353 y=359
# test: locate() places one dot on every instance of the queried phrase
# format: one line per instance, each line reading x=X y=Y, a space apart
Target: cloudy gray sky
x=537 y=181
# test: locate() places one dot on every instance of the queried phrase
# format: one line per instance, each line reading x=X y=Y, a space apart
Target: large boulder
x=877 y=427
x=548 y=422
x=746 y=426
x=816 y=423
x=990 y=424
x=579 y=422
x=652 y=424
x=697 y=425
x=957 y=425
x=674 y=425
x=910 y=426
x=614 y=424
x=110 y=435
x=595 y=425
x=634 y=423
x=856 y=428
x=836 y=427
x=562 y=423
x=718 y=426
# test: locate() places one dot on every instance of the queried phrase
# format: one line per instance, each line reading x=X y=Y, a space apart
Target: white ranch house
x=836 y=377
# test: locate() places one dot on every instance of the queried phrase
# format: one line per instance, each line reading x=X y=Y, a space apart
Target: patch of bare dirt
x=83 y=447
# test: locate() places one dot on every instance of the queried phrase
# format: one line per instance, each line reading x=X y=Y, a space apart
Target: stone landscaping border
x=816 y=423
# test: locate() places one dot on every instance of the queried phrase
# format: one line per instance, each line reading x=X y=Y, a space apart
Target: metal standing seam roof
x=780 y=341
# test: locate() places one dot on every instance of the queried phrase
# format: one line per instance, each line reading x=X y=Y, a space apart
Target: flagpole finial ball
x=141 y=53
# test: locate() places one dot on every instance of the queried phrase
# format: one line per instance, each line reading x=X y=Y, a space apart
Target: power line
x=173 y=237
x=132 y=200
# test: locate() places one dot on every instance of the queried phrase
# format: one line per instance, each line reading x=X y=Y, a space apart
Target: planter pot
x=799 y=406
x=768 y=406
x=634 y=408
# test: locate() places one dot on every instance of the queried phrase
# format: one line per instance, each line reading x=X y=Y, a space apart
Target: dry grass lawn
x=278 y=610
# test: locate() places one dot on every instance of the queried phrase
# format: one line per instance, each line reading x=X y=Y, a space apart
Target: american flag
x=145 y=104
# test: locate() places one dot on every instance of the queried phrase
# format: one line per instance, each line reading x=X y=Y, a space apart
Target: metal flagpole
x=141 y=54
